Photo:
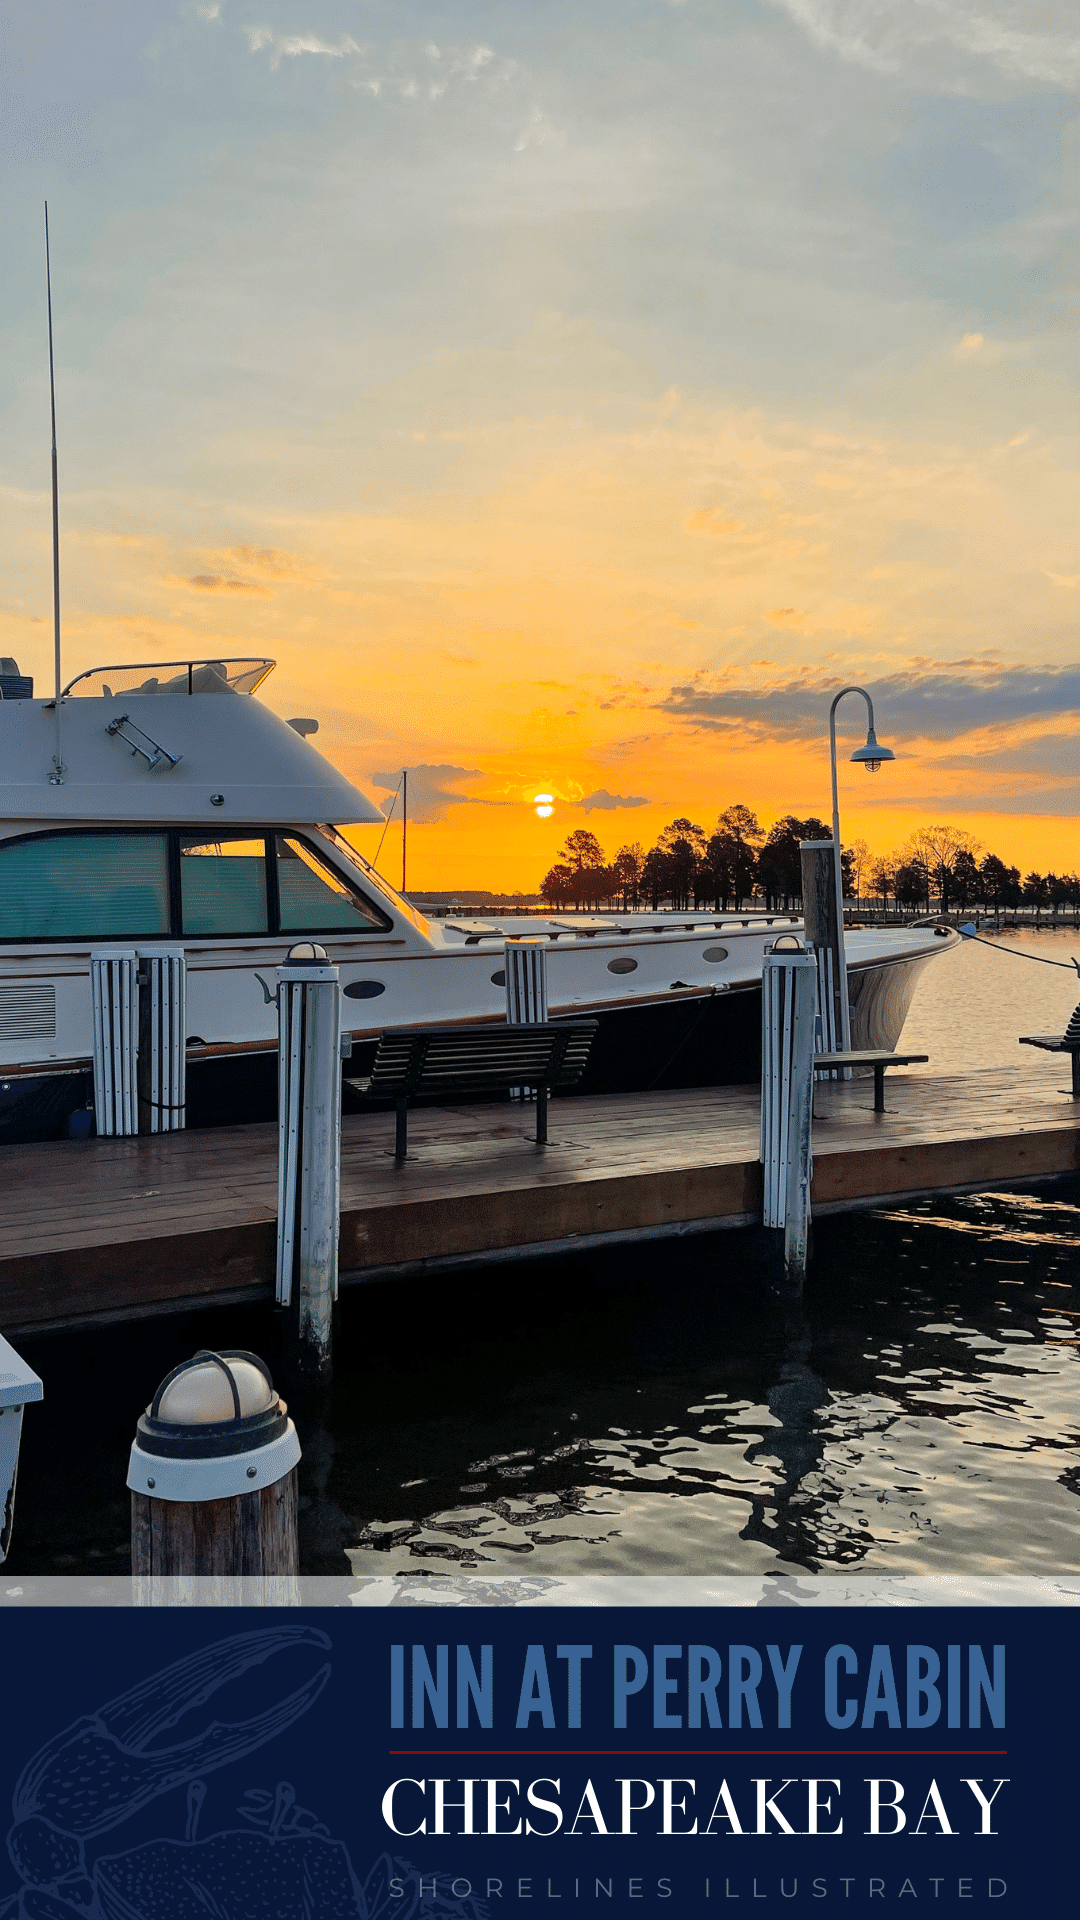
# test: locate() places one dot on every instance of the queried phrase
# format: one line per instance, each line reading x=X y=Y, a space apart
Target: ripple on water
x=931 y=1424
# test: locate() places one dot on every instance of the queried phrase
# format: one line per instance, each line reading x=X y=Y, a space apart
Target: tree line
x=739 y=863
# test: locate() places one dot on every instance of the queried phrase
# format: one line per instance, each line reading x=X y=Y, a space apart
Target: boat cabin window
x=72 y=886
x=142 y=884
x=223 y=885
x=311 y=897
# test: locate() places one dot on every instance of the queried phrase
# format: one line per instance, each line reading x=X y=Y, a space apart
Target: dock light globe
x=542 y=803
x=872 y=755
x=216 y=1428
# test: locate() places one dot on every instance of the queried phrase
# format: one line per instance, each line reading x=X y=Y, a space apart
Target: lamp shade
x=872 y=754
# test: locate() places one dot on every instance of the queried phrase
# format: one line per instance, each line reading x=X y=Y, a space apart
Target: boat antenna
x=404 y=820
x=56 y=777
x=389 y=816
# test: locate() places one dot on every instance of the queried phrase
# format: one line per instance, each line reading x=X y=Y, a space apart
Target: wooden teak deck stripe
x=114 y=1227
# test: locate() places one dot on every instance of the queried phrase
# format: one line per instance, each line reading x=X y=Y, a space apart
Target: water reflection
x=917 y=1413
x=651 y=1412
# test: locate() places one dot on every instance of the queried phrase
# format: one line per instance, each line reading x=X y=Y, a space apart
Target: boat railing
x=239 y=675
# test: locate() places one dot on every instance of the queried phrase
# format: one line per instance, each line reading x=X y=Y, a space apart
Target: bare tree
x=936 y=848
x=859 y=862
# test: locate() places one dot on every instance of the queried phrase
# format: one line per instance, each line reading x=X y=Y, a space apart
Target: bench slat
x=432 y=1060
x=869 y=1057
x=456 y=1060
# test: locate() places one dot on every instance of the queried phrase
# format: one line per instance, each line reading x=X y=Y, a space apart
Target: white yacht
x=183 y=810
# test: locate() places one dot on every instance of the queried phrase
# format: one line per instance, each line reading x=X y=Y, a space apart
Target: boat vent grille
x=28 y=1013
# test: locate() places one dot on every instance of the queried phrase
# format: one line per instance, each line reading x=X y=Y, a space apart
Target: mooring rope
x=968 y=933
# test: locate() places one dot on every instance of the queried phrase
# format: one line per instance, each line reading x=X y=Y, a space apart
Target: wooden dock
x=109 y=1229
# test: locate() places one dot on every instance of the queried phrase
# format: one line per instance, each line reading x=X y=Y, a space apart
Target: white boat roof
x=224 y=743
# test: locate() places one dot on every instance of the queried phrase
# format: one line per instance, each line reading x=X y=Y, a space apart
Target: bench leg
x=1076 y=1074
x=401 y=1130
x=541 y=1116
x=879 y=1089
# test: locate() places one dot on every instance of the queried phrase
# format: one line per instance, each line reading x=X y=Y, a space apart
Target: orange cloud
x=710 y=521
x=556 y=566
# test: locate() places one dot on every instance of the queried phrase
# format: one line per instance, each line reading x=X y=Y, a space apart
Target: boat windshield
x=376 y=881
x=172 y=676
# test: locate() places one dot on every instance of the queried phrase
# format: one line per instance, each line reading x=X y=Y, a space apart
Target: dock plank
x=110 y=1227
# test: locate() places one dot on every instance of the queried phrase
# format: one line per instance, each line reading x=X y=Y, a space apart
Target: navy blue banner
x=385 y=1764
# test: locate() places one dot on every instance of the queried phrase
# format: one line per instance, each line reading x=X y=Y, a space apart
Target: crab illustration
x=102 y=1769
x=289 y=1870
x=282 y=1865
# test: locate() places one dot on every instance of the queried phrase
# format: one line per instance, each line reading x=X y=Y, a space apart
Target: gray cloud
x=432 y=789
x=947 y=42
x=935 y=701
x=945 y=806
x=607 y=802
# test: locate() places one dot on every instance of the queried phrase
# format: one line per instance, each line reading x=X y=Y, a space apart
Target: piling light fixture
x=214 y=1429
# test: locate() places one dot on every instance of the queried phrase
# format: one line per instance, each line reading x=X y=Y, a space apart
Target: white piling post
x=526 y=982
x=115 y=996
x=789 y=1011
x=18 y=1387
x=309 y=1148
x=162 y=1068
x=525 y=963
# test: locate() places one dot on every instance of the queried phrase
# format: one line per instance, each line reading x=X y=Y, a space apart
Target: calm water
x=973 y=1002
x=654 y=1411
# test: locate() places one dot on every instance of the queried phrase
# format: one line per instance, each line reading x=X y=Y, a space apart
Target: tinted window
x=75 y=886
x=223 y=885
x=311 y=897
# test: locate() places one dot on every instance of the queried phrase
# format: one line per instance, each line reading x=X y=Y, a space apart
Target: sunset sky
x=570 y=394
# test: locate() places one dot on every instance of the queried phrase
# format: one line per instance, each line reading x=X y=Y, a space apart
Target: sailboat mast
x=56 y=777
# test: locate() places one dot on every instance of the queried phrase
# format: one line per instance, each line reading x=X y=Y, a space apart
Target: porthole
x=364 y=989
x=715 y=954
x=623 y=964
x=498 y=978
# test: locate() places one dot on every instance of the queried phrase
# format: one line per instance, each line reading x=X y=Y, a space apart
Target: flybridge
x=157 y=744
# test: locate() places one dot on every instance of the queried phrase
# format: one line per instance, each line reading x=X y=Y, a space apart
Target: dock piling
x=114 y=993
x=822 y=935
x=789 y=1011
x=140 y=1039
x=525 y=964
x=19 y=1385
x=162 y=1065
x=526 y=982
x=309 y=1149
x=212 y=1475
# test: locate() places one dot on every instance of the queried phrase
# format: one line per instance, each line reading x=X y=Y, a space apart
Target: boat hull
x=700 y=1041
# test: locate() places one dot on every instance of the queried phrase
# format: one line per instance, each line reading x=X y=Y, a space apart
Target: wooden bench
x=448 y=1062
x=876 y=1057
x=1067 y=1042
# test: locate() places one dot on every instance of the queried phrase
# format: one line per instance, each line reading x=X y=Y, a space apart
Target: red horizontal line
x=696 y=1753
